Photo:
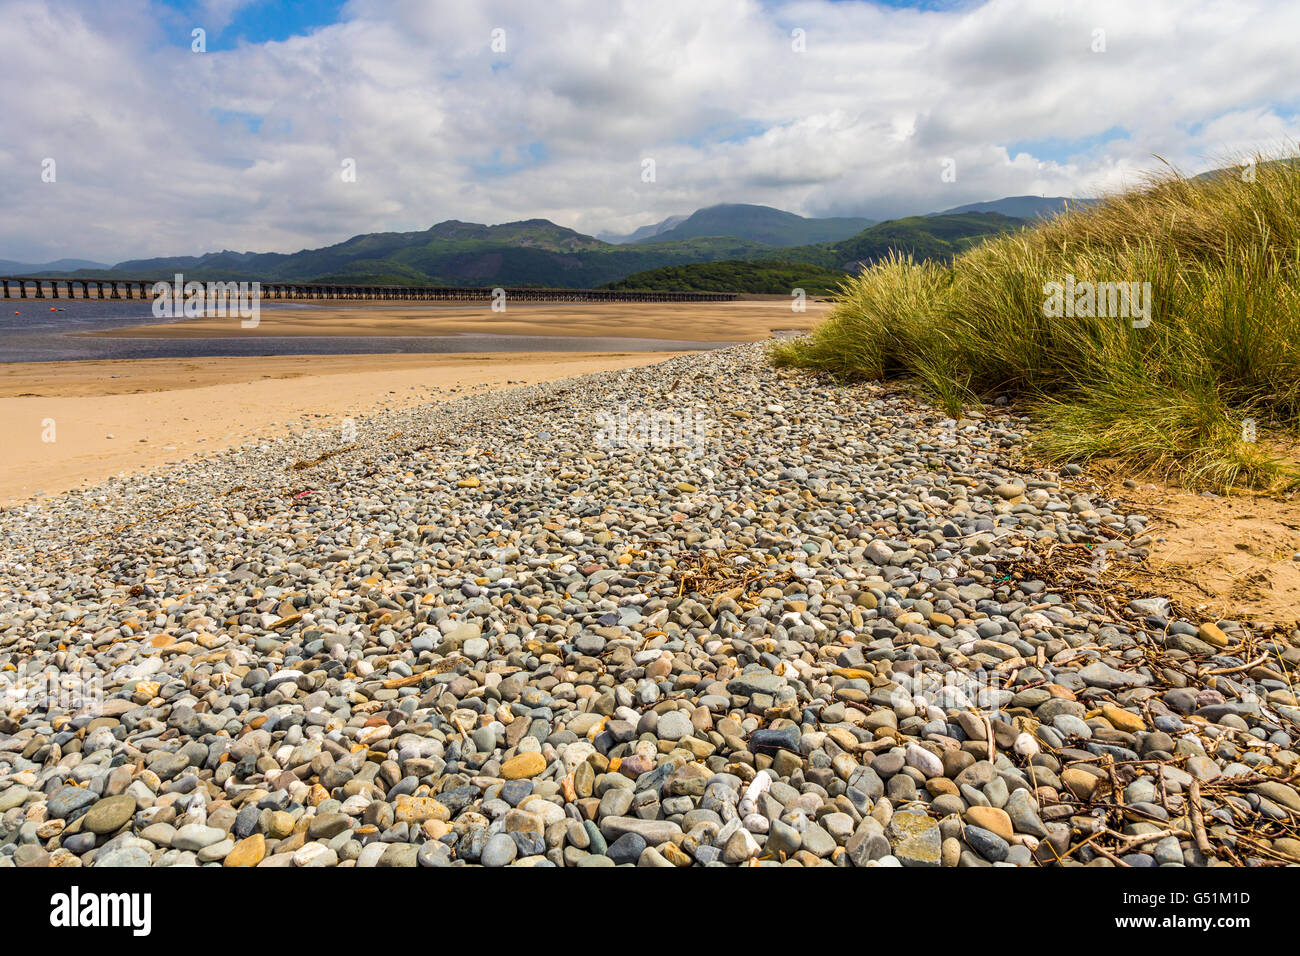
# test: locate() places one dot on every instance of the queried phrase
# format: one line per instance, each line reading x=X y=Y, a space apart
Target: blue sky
x=1067 y=150
x=257 y=22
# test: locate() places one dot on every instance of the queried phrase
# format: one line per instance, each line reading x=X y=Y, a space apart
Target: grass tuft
x=1203 y=394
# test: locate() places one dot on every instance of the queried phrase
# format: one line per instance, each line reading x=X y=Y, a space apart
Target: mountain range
x=1021 y=207
x=538 y=252
x=10 y=267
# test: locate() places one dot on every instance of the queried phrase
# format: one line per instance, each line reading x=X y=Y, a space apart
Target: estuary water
x=31 y=332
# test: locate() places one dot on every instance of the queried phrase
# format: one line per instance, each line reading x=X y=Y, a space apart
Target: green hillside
x=753 y=278
x=925 y=238
x=537 y=252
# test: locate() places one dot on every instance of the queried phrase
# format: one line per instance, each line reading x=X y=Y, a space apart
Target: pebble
x=914 y=839
x=523 y=765
x=247 y=852
x=500 y=850
x=627 y=848
x=195 y=836
x=740 y=847
x=109 y=814
x=987 y=844
x=991 y=819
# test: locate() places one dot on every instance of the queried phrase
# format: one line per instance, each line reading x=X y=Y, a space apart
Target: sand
x=1222 y=557
x=746 y=320
x=165 y=410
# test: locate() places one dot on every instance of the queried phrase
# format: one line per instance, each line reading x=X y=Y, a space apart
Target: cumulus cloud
x=159 y=150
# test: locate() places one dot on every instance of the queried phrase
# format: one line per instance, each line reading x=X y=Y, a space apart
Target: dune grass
x=1202 y=389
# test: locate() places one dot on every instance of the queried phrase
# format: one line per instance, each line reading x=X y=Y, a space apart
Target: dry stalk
x=1198 y=820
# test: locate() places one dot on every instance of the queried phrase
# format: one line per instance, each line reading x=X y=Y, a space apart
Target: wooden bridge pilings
x=34 y=287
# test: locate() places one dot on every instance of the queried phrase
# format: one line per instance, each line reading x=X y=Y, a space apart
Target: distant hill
x=772 y=227
x=1020 y=207
x=645 y=232
x=527 y=234
x=923 y=237
x=754 y=278
x=406 y=253
x=10 y=267
x=1238 y=169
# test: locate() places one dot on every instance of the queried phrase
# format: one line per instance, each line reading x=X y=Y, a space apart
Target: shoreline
x=162 y=411
x=78 y=421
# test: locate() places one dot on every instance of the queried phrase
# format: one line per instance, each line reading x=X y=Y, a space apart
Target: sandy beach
x=745 y=320
x=76 y=423
x=105 y=418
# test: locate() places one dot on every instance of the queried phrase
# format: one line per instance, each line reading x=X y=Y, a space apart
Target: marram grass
x=1202 y=388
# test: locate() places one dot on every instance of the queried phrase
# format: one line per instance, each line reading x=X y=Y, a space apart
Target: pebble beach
x=823 y=626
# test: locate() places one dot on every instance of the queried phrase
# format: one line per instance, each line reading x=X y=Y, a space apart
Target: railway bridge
x=44 y=287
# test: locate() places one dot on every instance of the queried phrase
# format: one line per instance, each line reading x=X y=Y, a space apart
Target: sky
x=288 y=125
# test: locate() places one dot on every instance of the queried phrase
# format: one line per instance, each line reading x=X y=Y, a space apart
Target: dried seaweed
x=733 y=573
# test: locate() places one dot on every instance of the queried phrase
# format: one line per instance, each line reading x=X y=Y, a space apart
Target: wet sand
x=744 y=320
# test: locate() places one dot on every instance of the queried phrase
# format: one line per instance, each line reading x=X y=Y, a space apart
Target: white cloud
x=162 y=151
x=216 y=15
